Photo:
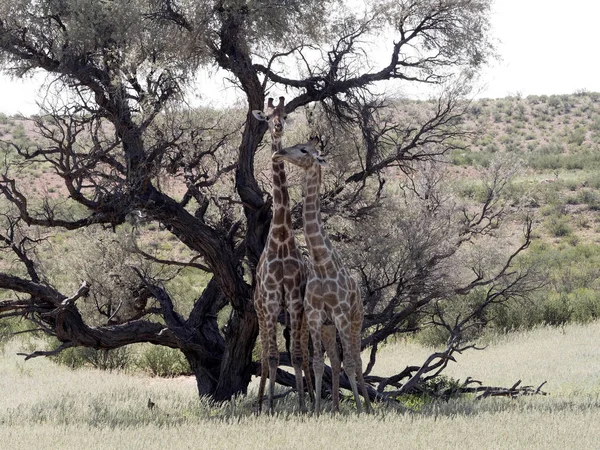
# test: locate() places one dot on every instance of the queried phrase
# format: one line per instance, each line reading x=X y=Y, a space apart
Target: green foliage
x=187 y=287
x=559 y=226
x=432 y=336
x=19 y=132
x=571 y=293
x=576 y=136
x=10 y=327
x=466 y=158
x=430 y=392
x=78 y=357
x=163 y=362
x=155 y=360
x=589 y=197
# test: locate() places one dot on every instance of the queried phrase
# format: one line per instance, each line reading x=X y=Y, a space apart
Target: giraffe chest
x=283 y=265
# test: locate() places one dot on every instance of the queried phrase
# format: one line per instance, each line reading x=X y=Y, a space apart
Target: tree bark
x=236 y=369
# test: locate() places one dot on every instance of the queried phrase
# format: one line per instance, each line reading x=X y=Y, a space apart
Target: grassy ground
x=47 y=406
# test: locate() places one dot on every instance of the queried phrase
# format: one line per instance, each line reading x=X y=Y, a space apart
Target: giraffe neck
x=281 y=224
x=317 y=240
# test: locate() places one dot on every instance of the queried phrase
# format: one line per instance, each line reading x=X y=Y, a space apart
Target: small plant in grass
x=585 y=305
x=582 y=221
x=557 y=310
x=572 y=200
x=558 y=226
x=438 y=387
x=591 y=198
x=572 y=185
x=576 y=136
x=572 y=240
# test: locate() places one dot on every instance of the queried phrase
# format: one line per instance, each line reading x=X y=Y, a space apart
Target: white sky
x=546 y=46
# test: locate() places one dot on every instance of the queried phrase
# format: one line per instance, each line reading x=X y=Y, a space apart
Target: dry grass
x=45 y=406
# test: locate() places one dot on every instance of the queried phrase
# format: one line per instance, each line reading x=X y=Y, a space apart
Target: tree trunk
x=206 y=373
x=236 y=369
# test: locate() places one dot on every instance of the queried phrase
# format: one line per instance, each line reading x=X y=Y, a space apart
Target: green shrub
x=163 y=361
x=433 y=336
x=591 y=198
x=557 y=310
x=544 y=162
x=516 y=314
x=593 y=180
x=19 y=132
x=77 y=357
x=585 y=304
x=558 y=226
x=576 y=136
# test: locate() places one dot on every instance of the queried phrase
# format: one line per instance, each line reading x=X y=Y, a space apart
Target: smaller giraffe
x=332 y=300
x=280 y=276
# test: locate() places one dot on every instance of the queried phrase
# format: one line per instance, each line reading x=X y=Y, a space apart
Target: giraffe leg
x=264 y=367
x=344 y=328
x=273 y=351
x=356 y=331
x=306 y=357
x=328 y=332
x=296 y=325
x=314 y=323
x=262 y=327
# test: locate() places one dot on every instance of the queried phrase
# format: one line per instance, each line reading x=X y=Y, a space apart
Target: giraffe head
x=304 y=155
x=275 y=117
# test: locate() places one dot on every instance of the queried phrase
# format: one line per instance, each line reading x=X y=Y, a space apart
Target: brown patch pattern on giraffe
x=280 y=277
x=332 y=300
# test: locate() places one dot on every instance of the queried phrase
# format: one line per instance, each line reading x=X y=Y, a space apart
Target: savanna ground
x=48 y=406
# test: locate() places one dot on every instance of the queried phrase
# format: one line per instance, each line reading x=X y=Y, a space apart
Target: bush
x=545 y=162
x=558 y=226
x=577 y=136
x=78 y=357
x=162 y=361
x=590 y=198
x=585 y=304
x=557 y=310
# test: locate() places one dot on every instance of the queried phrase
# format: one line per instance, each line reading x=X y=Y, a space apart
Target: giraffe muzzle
x=277 y=156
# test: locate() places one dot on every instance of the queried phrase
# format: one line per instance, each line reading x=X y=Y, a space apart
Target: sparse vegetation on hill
x=558 y=141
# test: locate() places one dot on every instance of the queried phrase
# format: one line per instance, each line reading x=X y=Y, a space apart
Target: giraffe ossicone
x=332 y=300
x=280 y=275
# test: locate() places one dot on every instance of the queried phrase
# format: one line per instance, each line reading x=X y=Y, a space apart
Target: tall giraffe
x=280 y=275
x=332 y=300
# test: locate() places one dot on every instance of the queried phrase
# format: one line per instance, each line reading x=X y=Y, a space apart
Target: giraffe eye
x=303 y=150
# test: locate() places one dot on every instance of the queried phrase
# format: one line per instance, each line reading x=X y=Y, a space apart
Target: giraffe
x=280 y=276
x=332 y=300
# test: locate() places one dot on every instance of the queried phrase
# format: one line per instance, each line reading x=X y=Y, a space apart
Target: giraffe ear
x=322 y=162
x=259 y=115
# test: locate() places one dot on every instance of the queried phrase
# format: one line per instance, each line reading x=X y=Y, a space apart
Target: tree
x=119 y=130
